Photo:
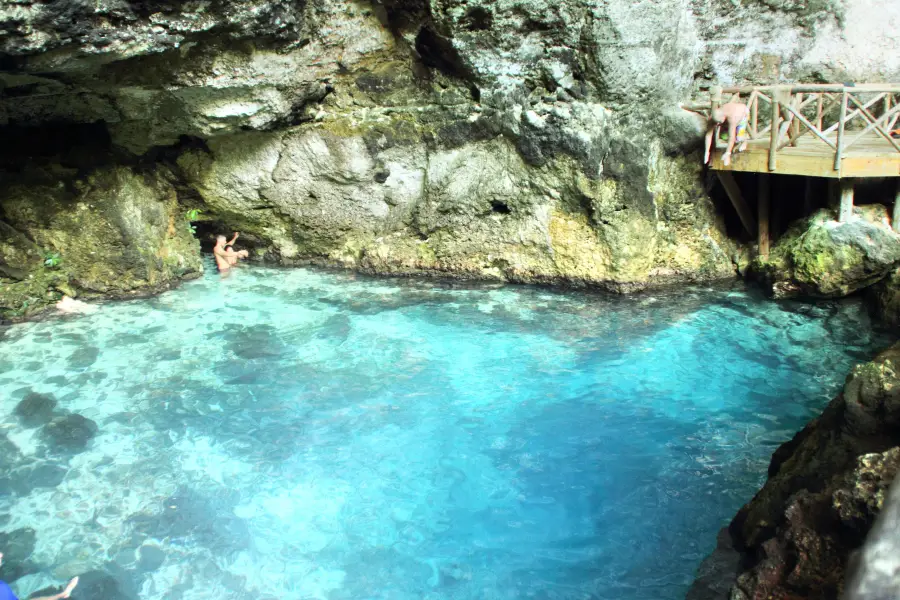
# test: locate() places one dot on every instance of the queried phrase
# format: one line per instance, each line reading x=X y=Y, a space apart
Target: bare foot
x=68 y=591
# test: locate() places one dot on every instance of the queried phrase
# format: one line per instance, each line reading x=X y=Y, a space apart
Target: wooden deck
x=872 y=156
x=839 y=132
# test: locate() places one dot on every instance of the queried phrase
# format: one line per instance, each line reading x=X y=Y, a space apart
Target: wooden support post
x=840 y=132
x=763 y=197
x=809 y=202
x=895 y=220
x=846 y=212
x=734 y=194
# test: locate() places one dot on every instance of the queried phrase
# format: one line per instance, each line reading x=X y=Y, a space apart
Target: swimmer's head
x=220 y=239
x=718 y=116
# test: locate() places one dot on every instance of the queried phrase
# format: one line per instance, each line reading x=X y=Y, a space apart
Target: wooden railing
x=837 y=115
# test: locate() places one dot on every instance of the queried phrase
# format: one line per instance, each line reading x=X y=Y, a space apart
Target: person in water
x=226 y=256
x=74 y=307
x=7 y=594
x=735 y=116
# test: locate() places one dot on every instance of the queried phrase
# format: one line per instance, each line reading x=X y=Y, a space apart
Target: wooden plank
x=816 y=165
x=762 y=201
x=846 y=210
x=734 y=194
x=895 y=218
x=861 y=166
x=842 y=117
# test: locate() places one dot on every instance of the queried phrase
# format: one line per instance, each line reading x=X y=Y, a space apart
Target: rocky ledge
x=826 y=487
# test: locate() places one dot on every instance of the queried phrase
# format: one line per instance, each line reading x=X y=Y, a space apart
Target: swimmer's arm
x=233 y=240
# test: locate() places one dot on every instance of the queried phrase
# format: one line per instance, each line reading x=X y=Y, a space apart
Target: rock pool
x=304 y=434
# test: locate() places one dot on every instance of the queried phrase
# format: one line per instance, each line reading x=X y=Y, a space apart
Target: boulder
x=35 y=409
x=821 y=257
x=69 y=434
x=825 y=489
x=17 y=547
x=114 y=232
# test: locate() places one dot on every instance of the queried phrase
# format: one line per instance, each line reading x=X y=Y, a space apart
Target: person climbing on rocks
x=226 y=256
x=7 y=594
x=735 y=115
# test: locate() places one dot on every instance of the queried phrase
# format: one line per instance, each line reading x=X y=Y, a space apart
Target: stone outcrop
x=825 y=489
x=115 y=232
x=821 y=257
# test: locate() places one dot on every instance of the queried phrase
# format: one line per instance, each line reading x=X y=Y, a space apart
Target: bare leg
x=63 y=594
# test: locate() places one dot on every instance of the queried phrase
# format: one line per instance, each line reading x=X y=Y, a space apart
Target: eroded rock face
x=514 y=140
x=825 y=489
x=821 y=257
x=115 y=232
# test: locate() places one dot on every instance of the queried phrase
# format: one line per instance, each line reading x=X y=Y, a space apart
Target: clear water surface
x=298 y=434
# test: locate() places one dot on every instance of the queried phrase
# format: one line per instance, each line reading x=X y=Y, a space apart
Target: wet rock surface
x=18 y=546
x=35 y=409
x=825 y=489
x=69 y=434
x=821 y=257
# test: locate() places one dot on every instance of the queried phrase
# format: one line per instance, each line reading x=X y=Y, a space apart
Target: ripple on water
x=298 y=434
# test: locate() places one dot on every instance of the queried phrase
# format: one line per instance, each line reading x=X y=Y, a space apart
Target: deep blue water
x=297 y=434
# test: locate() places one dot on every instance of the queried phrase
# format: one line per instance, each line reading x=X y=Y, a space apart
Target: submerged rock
x=69 y=433
x=35 y=409
x=17 y=547
x=825 y=489
x=94 y=585
x=821 y=257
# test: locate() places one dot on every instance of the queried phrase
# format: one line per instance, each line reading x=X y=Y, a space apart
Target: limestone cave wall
x=509 y=140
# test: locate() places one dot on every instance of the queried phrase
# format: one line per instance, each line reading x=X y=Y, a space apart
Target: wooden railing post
x=797 y=101
x=773 y=140
x=819 y=111
x=754 y=113
x=840 y=132
x=715 y=100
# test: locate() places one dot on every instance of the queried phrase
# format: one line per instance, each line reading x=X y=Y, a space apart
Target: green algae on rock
x=117 y=232
x=825 y=488
x=821 y=257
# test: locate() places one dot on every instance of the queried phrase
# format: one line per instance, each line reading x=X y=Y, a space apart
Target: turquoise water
x=298 y=434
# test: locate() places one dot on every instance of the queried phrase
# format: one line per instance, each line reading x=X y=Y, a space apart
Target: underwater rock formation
x=537 y=141
x=821 y=257
x=825 y=489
